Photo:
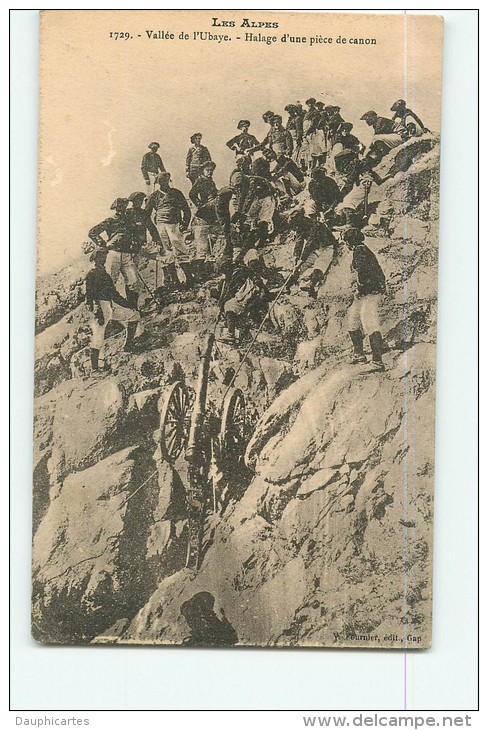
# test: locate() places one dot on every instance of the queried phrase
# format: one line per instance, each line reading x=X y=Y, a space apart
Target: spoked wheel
x=174 y=421
x=233 y=426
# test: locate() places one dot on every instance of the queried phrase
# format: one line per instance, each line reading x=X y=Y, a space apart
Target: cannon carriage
x=189 y=425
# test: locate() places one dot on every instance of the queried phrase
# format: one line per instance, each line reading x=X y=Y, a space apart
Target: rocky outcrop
x=324 y=536
x=335 y=523
x=102 y=546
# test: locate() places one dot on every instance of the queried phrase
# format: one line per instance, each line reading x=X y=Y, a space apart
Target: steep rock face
x=97 y=414
x=58 y=293
x=101 y=547
x=328 y=531
x=334 y=530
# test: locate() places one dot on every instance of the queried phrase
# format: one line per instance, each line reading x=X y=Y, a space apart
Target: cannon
x=175 y=421
x=187 y=425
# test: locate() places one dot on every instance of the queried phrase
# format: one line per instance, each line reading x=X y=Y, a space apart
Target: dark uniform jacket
x=382 y=125
x=203 y=190
x=118 y=231
x=284 y=165
x=313 y=117
x=295 y=124
x=151 y=162
x=370 y=276
x=99 y=286
x=195 y=158
x=242 y=142
x=348 y=142
x=261 y=168
x=312 y=236
x=170 y=207
x=140 y=222
x=217 y=210
x=279 y=136
x=406 y=115
x=324 y=191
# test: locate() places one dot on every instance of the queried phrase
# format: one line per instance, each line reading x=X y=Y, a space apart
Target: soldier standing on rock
x=243 y=142
x=119 y=243
x=172 y=217
x=363 y=318
x=203 y=191
x=140 y=223
x=196 y=157
x=103 y=299
x=151 y=166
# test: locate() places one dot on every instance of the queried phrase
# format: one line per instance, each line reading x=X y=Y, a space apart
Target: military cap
x=346 y=127
x=163 y=176
x=194 y=136
x=369 y=116
x=400 y=104
x=268 y=115
x=211 y=165
x=244 y=123
x=277 y=118
x=311 y=101
x=353 y=236
x=154 y=144
x=119 y=202
x=135 y=196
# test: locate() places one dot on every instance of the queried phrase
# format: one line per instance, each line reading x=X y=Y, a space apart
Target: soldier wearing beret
x=278 y=138
x=203 y=191
x=172 y=217
x=119 y=242
x=151 y=166
x=363 y=317
x=243 y=142
x=196 y=157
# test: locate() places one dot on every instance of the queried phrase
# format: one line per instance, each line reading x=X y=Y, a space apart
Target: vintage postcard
x=236 y=328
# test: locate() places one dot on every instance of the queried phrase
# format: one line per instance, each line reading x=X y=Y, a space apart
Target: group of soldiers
x=311 y=175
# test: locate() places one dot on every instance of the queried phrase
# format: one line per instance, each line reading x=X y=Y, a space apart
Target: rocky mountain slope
x=324 y=536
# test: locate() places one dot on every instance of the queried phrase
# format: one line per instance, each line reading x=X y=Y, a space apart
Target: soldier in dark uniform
x=243 y=142
x=363 y=317
x=285 y=174
x=119 y=243
x=141 y=223
x=246 y=293
x=294 y=126
x=348 y=141
x=196 y=157
x=203 y=191
x=278 y=138
x=324 y=192
x=104 y=301
x=404 y=116
x=204 y=187
x=172 y=217
x=151 y=166
x=381 y=125
x=387 y=135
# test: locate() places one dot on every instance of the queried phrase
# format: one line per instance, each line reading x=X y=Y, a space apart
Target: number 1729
x=124 y=36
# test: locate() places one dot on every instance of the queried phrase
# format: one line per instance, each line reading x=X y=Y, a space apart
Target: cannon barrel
x=195 y=447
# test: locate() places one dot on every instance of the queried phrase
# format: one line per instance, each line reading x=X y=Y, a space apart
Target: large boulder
x=100 y=548
x=90 y=421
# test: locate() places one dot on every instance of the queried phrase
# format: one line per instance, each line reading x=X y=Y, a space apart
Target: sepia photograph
x=235 y=333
